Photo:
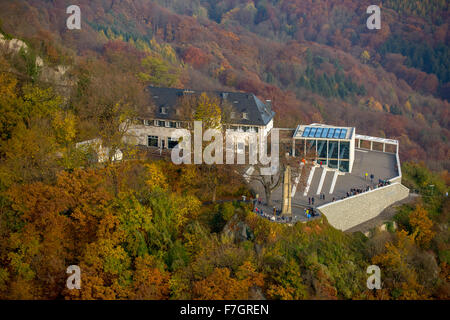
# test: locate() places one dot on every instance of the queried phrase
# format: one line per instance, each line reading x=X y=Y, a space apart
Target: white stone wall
x=347 y=213
x=138 y=134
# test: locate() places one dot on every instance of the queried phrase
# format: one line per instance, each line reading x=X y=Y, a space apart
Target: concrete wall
x=347 y=213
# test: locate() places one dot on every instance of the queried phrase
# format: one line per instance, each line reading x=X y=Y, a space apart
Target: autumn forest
x=145 y=228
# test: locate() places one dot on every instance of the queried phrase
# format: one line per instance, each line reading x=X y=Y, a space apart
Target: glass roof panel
x=319 y=132
x=330 y=133
x=306 y=132
x=337 y=132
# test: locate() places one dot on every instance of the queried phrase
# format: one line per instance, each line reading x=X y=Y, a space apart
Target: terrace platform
x=334 y=184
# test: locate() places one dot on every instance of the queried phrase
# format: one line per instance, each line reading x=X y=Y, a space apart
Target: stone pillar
x=293 y=147
x=286 y=208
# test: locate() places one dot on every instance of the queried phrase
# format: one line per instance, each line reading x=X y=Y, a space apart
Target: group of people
x=355 y=191
x=273 y=217
x=311 y=200
x=382 y=183
x=366 y=176
x=310 y=212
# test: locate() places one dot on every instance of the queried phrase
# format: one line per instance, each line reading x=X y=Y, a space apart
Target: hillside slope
x=316 y=61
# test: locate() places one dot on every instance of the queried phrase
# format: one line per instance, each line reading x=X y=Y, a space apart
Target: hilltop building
x=350 y=179
x=331 y=146
x=248 y=114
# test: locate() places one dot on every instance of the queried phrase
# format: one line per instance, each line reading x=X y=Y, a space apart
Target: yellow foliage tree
x=220 y=285
x=156 y=178
x=422 y=225
x=208 y=111
x=399 y=276
x=150 y=281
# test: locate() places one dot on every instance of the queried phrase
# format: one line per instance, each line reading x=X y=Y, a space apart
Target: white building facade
x=248 y=116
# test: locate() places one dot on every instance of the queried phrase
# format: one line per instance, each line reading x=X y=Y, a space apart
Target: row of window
x=164 y=110
x=162 y=123
x=177 y=124
x=244 y=129
x=334 y=154
x=328 y=148
x=154 y=141
x=342 y=165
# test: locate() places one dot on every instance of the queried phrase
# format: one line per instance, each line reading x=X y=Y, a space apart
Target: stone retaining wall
x=347 y=213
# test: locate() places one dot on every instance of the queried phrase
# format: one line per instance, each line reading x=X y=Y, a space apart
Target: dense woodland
x=145 y=229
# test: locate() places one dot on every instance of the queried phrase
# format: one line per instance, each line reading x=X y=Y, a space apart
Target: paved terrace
x=336 y=184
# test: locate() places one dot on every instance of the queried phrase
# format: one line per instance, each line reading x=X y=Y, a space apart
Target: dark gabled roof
x=259 y=113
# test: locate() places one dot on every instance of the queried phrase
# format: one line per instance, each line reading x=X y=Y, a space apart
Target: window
x=306 y=132
x=333 y=149
x=330 y=133
x=172 y=143
x=343 y=134
x=322 y=148
x=333 y=164
x=311 y=147
x=318 y=132
x=244 y=115
x=152 y=141
x=344 y=150
x=344 y=165
x=163 y=110
x=161 y=123
x=172 y=124
x=233 y=115
x=167 y=124
x=337 y=133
